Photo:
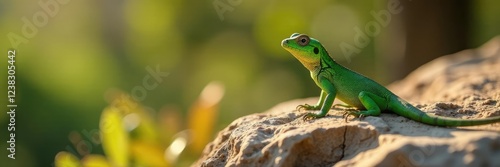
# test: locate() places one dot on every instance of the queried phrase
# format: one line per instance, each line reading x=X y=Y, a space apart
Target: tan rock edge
x=464 y=85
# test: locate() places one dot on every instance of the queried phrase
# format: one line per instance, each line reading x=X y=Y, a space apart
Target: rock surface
x=463 y=85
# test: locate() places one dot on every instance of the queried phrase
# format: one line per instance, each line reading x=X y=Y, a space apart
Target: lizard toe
x=309 y=116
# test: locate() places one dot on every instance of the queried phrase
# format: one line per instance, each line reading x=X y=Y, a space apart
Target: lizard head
x=307 y=50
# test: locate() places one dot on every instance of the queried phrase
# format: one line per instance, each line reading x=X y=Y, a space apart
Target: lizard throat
x=311 y=66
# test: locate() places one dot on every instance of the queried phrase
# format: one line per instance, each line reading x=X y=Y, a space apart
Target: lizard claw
x=361 y=117
x=309 y=116
x=306 y=107
x=353 y=113
x=299 y=107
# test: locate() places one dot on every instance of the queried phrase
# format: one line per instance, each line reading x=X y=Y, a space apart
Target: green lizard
x=354 y=89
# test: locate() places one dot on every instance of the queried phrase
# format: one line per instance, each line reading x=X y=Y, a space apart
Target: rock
x=463 y=85
x=469 y=75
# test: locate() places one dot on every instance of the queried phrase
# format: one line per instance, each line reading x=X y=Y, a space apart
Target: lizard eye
x=303 y=40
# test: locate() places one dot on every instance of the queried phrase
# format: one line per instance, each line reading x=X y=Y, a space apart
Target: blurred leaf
x=177 y=146
x=146 y=129
x=93 y=160
x=203 y=114
x=66 y=159
x=124 y=103
x=136 y=119
x=148 y=154
x=114 y=137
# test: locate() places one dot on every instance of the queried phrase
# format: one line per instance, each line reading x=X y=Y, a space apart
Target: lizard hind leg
x=369 y=101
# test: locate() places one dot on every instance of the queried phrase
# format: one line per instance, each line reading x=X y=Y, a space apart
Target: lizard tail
x=405 y=109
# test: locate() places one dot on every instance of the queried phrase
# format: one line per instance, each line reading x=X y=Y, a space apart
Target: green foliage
x=88 y=49
x=130 y=136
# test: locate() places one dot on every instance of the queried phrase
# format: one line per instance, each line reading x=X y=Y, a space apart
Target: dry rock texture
x=463 y=85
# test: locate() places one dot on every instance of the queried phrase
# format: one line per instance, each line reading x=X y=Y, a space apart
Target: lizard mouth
x=284 y=43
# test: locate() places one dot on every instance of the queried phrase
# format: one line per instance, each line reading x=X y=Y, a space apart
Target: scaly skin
x=354 y=89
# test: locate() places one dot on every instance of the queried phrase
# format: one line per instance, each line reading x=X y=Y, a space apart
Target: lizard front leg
x=318 y=105
x=329 y=92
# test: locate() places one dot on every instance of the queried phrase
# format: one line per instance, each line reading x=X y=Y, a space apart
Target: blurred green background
x=90 y=48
